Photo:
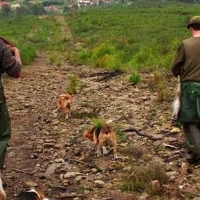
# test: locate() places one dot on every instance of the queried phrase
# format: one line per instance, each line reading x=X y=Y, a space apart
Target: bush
x=74 y=85
x=142 y=176
x=135 y=78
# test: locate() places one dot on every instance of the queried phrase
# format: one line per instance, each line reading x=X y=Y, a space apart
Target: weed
x=74 y=86
x=135 y=78
x=157 y=83
x=120 y=136
x=143 y=175
x=98 y=122
x=134 y=151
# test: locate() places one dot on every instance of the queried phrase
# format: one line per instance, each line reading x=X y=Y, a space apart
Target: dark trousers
x=192 y=137
x=5 y=132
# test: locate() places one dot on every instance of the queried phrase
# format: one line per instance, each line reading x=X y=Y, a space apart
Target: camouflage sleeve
x=178 y=61
x=9 y=65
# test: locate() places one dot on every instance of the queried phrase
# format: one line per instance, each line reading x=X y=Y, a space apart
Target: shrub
x=142 y=176
x=134 y=151
x=98 y=122
x=108 y=62
x=157 y=83
x=75 y=86
x=135 y=78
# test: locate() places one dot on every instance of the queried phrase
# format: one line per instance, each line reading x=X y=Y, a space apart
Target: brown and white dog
x=32 y=194
x=64 y=103
x=100 y=136
x=2 y=192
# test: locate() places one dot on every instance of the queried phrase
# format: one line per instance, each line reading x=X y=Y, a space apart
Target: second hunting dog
x=64 y=103
x=31 y=194
x=100 y=136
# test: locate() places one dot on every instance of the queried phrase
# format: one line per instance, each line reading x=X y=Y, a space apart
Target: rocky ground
x=50 y=153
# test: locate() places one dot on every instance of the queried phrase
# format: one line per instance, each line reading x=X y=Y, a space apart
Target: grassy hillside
x=142 y=35
x=131 y=37
x=31 y=34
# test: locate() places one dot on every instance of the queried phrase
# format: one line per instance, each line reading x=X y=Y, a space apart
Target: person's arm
x=178 y=61
x=15 y=52
x=10 y=60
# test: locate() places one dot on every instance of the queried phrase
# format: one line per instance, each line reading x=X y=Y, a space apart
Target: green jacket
x=186 y=62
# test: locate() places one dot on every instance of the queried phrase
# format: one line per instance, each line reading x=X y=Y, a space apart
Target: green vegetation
x=98 y=122
x=31 y=34
x=158 y=83
x=135 y=78
x=142 y=177
x=142 y=35
x=74 y=86
x=121 y=137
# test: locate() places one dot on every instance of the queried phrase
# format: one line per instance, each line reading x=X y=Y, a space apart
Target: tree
x=6 y=10
x=22 y=10
x=36 y=9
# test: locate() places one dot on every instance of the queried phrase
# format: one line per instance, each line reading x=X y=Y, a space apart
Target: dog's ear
x=42 y=197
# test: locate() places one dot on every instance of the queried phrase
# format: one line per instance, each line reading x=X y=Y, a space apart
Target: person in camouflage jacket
x=186 y=64
x=10 y=63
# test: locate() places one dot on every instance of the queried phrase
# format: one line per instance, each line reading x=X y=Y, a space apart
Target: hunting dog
x=32 y=194
x=2 y=192
x=64 y=103
x=101 y=136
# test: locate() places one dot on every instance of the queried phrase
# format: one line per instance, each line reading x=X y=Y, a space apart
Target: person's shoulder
x=188 y=39
x=2 y=45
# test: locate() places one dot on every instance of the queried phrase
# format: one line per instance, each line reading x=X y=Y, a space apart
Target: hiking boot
x=191 y=158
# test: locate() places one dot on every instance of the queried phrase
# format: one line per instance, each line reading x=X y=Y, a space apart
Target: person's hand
x=15 y=52
x=12 y=49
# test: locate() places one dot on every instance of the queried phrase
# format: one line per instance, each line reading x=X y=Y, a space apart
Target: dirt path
x=50 y=153
x=31 y=102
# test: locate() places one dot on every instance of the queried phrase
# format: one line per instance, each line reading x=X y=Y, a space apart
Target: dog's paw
x=104 y=150
x=99 y=153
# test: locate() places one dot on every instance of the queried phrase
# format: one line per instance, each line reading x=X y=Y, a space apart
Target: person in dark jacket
x=10 y=63
x=186 y=64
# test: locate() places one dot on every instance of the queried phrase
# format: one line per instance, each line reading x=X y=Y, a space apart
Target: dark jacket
x=8 y=65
